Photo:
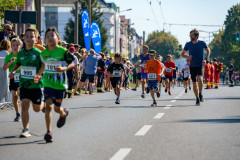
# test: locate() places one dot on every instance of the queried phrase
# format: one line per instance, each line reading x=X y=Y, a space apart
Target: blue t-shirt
x=144 y=59
x=196 y=50
x=91 y=64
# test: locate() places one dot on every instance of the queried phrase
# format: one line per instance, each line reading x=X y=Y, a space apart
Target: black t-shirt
x=231 y=67
x=101 y=64
x=115 y=67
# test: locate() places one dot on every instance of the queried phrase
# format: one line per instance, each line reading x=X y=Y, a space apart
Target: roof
x=58 y=2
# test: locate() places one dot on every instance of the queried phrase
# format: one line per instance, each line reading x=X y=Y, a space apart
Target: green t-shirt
x=58 y=57
x=8 y=60
x=30 y=61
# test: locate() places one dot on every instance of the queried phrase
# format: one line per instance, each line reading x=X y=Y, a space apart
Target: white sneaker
x=25 y=133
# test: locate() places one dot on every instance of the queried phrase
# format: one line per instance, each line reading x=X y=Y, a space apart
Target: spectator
x=64 y=44
x=6 y=33
x=100 y=73
x=5 y=47
x=39 y=43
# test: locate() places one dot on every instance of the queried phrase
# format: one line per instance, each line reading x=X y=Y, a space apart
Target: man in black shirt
x=115 y=71
x=230 y=69
x=100 y=73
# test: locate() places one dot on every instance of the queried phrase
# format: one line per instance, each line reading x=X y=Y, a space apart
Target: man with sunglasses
x=6 y=33
x=196 y=50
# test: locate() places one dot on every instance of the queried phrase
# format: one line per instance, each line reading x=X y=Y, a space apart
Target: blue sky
x=206 y=12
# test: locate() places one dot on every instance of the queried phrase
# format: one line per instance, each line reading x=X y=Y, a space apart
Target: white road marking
x=167 y=107
x=121 y=154
x=143 y=130
x=159 y=115
x=176 y=97
x=173 y=101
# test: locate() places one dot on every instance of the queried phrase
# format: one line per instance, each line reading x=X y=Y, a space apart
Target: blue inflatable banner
x=86 y=28
x=96 y=37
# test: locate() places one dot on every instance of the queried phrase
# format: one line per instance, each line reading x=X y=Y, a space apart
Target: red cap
x=71 y=49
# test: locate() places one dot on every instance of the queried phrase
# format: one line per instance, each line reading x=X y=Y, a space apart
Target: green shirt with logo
x=8 y=60
x=53 y=58
x=30 y=61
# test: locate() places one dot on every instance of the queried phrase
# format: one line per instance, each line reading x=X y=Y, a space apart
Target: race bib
x=50 y=66
x=168 y=70
x=28 y=72
x=152 y=76
x=16 y=77
x=117 y=73
x=187 y=72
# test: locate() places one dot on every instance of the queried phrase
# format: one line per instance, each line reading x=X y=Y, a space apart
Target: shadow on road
x=22 y=143
x=116 y=107
x=212 y=120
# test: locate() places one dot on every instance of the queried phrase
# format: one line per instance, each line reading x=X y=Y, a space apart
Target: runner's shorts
x=89 y=76
x=169 y=77
x=13 y=85
x=144 y=75
x=185 y=79
x=195 y=71
x=153 y=85
x=139 y=76
x=56 y=95
x=115 y=81
x=35 y=95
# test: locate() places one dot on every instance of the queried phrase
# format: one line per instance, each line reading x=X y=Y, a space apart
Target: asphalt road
x=98 y=129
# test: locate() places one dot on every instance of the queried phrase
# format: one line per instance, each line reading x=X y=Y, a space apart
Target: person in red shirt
x=168 y=70
x=207 y=73
x=217 y=66
x=154 y=71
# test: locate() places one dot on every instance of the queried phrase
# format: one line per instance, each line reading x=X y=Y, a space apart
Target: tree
x=164 y=44
x=216 y=47
x=9 y=5
x=95 y=16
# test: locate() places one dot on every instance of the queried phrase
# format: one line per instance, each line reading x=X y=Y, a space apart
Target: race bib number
x=28 y=72
x=50 y=66
x=16 y=77
x=168 y=70
x=117 y=73
x=152 y=76
x=187 y=72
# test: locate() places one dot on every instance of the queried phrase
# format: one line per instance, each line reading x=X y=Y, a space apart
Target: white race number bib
x=117 y=73
x=152 y=76
x=168 y=70
x=16 y=77
x=28 y=72
x=50 y=66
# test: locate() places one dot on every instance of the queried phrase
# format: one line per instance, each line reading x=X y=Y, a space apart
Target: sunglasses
x=9 y=29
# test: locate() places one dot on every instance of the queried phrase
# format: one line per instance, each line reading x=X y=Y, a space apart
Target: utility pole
x=89 y=11
x=39 y=11
x=76 y=23
x=115 y=31
x=143 y=37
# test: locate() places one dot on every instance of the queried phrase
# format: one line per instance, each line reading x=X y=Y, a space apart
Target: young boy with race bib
x=186 y=74
x=154 y=71
x=32 y=66
x=56 y=59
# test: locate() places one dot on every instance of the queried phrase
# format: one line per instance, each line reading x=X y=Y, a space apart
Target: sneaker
x=143 y=95
x=216 y=87
x=185 y=90
x=100 y=91
x=48 y=137
x=147 y=90
x=61 y=121
x=197 y=102
x=201 y=98
x=90 y=93
x=170 y=93
x=117 y=101
x=158 y=94
x=166 y=90
x=154 y=103
x=69 y=95
x=190 y=88
x=43 y=110
x=134 y=89
x=25 y=133
x=76 y=94
x=17 y=119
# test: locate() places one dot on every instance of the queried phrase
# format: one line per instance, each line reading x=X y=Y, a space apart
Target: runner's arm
x=208 y=52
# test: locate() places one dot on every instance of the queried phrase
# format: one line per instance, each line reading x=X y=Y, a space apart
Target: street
x=98 y=129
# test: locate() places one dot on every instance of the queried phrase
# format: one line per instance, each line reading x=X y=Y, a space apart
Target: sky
x=203 y=12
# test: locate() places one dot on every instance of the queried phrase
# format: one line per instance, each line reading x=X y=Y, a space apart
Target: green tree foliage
x=95 y=16
x=164 y=44
x=9 y=5
x=224 y=45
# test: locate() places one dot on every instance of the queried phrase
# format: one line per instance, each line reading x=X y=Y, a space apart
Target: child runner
x=56 y=58
x=169 y=67
x=10 y=61
x=186 y=74
x=115 y=72
x=32 y=67
x=154 y=71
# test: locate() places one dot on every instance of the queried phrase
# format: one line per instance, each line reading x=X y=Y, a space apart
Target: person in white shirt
x=186 y=75
x=5 y=47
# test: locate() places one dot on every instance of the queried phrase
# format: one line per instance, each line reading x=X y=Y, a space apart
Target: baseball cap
x=152 y=52
x=64 y=43
x=71 y=49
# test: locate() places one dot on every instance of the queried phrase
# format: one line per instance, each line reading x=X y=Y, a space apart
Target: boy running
x=169 y=67
x=115 y=72
x=144 y=58
x=56 y=58
x=32 y=66
x=186 y=74
x=154 y=71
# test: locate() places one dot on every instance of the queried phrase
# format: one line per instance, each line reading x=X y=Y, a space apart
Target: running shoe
x=190 y=88
x=69 y=95
x=48 y=137
x=134 y=89
x=185 y=90
x=158 y=94
x=25 y=133
x=143 y=95
x=17 y=119
x=170 y=93
x=154 y=103
x=76 y=94
x=61 y=121
x=166 y=90
x=197 y=102
x=201 y=98
x=147 y=90
x=117 y=101
x=216 y=87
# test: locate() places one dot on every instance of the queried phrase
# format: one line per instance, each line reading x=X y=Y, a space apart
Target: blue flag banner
x=96 y=36
x=86 y=28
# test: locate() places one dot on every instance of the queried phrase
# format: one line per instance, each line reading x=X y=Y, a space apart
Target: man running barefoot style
x=144 y=58
x=115 y=71
x=154 y=71
x=195 y=48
